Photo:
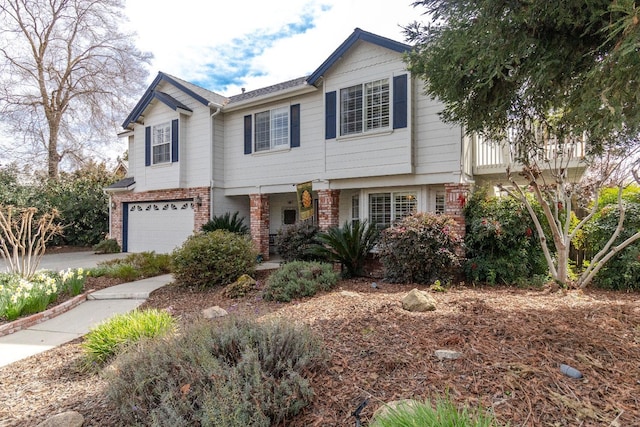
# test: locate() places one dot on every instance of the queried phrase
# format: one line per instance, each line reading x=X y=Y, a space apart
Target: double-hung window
x=384 y=208
x=364 y=107
x=271 y=129
x=161 y=143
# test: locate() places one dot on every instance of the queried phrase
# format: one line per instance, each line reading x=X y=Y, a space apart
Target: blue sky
x=252 y=44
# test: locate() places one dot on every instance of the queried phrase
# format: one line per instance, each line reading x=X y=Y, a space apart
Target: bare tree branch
x=66 y=72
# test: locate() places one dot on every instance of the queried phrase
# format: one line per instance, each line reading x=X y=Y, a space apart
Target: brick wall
x=259 y=205
x=201 y=213
x=328 y=209
x=455 y=199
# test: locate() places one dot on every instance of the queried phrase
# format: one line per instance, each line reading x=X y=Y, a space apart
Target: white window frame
x=271 y=130
x=439 y=202
x=161 y=143
x=365 y=107
x=355 y=209
x=397 y=203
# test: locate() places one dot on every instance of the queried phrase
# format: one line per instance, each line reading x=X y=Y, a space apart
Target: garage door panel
x=159 y=226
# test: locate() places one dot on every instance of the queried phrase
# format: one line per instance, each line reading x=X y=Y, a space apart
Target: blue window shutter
x=247 y=134
x=330 y=115
x=400 y=101
x=174 y=140
x=147 y=146
x=295 y=125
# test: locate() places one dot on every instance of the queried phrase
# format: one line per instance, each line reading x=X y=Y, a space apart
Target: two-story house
x=359 y=128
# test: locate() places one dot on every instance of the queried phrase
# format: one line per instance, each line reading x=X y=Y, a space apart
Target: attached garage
x=157 y=226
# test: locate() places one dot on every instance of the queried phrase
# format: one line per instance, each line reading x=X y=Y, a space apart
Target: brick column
x=260 y=223
x=328 y=209
x=455 y=199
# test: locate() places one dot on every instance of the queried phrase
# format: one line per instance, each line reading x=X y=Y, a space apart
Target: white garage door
x=158 y=226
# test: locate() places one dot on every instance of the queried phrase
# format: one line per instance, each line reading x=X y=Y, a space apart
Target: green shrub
x=216 y=258
x=420 y=248
x=299 y=279
x=112 y=336
x=134 y=266
x=292 y=242
x=232 y=373
x=107 y=246
x=443 y=414
x=501 y=241
x=226 y=222
x=622 y=271
x=348 y=245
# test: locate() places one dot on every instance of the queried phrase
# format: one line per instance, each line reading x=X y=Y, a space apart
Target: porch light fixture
x=198 y=201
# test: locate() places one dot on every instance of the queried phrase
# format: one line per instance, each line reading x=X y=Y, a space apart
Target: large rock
x=214 y=312
x=240 y=287
x=418 y=301
x=65 y=419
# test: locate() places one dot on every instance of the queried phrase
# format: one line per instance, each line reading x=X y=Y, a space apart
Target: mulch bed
x=512 y=341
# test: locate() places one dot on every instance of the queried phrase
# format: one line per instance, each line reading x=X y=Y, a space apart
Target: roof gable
x=356 y=36
x=204 y=96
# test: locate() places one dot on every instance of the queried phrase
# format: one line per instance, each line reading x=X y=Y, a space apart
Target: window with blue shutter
x=400 y=102
x=330 y=115
x=274 y=129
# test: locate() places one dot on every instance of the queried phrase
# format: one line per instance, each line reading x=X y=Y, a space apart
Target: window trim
x=154 y=144
x=363 y=106
x=392 y=205
x=285 y=132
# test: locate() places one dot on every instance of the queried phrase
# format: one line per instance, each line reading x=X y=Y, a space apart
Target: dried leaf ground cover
x=512 y=341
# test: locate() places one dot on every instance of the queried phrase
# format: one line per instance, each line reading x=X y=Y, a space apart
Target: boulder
x=214 y=312
x=418 y=301
x=65 y=419
x=240 y=287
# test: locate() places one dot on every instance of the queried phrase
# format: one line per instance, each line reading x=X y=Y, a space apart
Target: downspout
x=218 y=108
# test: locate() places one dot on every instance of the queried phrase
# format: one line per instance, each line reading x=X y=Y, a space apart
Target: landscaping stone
x=65 y=419
x=240 y=287
x=350 y=294
x=214 y=312
x=418 y=301
x=447 y=354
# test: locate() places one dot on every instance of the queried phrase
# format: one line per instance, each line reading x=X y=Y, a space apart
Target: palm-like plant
x=349 y=245
x=227 y=222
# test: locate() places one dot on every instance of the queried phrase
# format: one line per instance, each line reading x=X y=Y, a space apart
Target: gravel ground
x=512 y=341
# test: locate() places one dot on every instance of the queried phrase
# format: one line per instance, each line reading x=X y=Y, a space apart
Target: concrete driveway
x=62 y=261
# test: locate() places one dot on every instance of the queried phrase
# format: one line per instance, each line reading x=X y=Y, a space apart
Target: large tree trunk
x=53 y=158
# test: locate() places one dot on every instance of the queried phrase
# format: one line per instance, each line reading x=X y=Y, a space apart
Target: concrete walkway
x=100 y=305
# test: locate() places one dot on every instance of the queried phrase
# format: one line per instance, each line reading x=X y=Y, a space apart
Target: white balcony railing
x=490 y=157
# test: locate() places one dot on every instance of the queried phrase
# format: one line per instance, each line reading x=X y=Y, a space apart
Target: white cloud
x=188 y=39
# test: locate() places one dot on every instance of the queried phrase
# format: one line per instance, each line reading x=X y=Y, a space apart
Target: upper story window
x=364 y=107
x=271 y=129
x=161 y=144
